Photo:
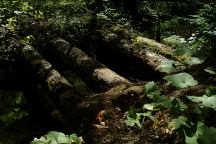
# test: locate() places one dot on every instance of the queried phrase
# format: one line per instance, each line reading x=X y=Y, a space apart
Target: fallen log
x=141 y=48
x=129 y=53
x=55 y=82
x=63 y=94
x=93 y=72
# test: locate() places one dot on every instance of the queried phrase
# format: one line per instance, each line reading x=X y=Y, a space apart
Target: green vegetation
x=186 y=62
x=54 y=137
x=10 y=107
x=181 y=113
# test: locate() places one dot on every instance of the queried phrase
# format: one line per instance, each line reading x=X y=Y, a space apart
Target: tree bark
x=55 y=82
x=132 y=53
x=93 y=72
x=63 y=95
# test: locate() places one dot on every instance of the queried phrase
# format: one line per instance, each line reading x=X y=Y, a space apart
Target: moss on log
x=146 y=51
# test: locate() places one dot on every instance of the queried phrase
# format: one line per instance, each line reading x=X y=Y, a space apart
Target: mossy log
x=96 y=74
x=129 y=53
x=146 y=51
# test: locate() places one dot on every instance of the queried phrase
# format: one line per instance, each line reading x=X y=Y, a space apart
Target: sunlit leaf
x=149 y=115
x=193 y=61
x=150 y=106
x=181 y=80
x=166 y=66
x=206 y=101
x=151 y=89
x=211 y=70
x=196 y=136
x=57 y=136
x=178 y=122
x=160 y=102
x=133 y=121
x=191 y=140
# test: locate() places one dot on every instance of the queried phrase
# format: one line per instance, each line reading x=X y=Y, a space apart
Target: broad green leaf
x=39 y=141
x=183 y=51
x=74 y=138
x=133 y=121
x=181 y=80
x=151 y=89
x=59 y=137
x=193 y=61
x=211 y=70
x=191 y=140
x=166 y=66
x=54 y=137
x=199 y=132
x=149 y=115
x=178 y=105
x=136 y=121
x=159 y=103
x=203 y=134
x=166 y=103
x=208 y=136
x=178 y=122
x=206 y=101
x=150 y=106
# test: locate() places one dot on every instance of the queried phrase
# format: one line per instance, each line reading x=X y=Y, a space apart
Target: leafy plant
x=54 y=137
x=139 y=119
x=210 y=70
x=151 y=89
x=181 y=80
x=205 y=101
x=184 y=50
x=205 y=22
x=10 y=107
x=181 y=122
x=166 y=66
x=175 y=41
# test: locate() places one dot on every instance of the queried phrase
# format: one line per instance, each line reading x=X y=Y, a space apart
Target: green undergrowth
x=54 y=137
x=188 y=117
x=11 y=107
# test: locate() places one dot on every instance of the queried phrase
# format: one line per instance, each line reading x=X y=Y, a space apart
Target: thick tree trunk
x=93 y=72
